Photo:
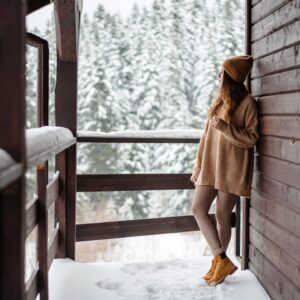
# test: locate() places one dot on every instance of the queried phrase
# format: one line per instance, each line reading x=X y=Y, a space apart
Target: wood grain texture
x=279 y=147
x=276 y=283
x=149 y=226
x=281 y=215
x=53 y=247
x=12 y=140
x=284 y=82
x=281 y=104
x=52 y=190
x=133 y=182
x=284 y=60
x=285 y=240
x=42 y=233
x=281 y=17
x=277 y=190
x=278 y=169
x=279 y=40
x=60 y=205
x=265 y=8
x=283 y=261
x=32 y=216
x=281 y=126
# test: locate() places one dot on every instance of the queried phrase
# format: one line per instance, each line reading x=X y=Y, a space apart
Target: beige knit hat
x=238 y=67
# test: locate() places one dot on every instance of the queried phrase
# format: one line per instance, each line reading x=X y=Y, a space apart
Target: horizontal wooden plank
x=288 y=81
x=277 y=190
x=31 y=216
x=10 y=174
x=141 y=136
x=265 y=8
x=121 y=229
x=49 y=153
x=275 y=282
x=281 y=126
x=285 y=240
x=281 y=104
x=278 y=256
x=283 y=38
x=277 y=169
x=283 y=60
x=53 y=247
x=279 y=18
x=281 y=215
x=133 y=182
x=31 y=287
x=265 y=281
x=278 y=147
x=52 y=190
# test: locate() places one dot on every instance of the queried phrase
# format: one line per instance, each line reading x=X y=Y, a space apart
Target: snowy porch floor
x=161 y=280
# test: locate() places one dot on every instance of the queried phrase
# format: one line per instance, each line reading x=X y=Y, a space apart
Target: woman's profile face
x=220 y=75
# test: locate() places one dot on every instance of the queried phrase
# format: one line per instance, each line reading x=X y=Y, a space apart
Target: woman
x=224 y=161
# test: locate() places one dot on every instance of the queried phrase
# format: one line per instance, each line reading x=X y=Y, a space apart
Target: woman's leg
x=203 y=197
x=225 y=204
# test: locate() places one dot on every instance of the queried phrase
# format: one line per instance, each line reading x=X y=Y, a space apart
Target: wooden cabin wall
x=274 y=213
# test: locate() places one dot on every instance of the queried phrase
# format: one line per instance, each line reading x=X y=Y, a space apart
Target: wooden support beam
x=67 y=19
x=60 y=205
x=238 y=228
x=245 y=234
x=12 y=140
x=42 y=232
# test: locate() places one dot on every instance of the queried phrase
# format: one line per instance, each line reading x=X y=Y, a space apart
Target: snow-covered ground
x=158 y=280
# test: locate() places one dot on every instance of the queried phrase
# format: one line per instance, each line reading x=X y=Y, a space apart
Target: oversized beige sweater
x=225 y=153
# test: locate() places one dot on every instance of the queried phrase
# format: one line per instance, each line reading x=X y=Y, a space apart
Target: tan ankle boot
x=223 y=268
x=209 y=274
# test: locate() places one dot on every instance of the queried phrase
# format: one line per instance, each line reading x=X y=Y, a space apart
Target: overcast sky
x=38 y=18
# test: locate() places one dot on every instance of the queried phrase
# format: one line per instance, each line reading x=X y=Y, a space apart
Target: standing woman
x=224 y=163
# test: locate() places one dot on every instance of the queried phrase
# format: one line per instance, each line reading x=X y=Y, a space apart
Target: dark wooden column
x=12 y=140
x=67 y=19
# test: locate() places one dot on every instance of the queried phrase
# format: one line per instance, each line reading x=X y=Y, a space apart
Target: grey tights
x=217 y=237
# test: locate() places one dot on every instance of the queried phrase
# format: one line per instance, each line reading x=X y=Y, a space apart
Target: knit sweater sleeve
x=197 y=164
x=242 y=137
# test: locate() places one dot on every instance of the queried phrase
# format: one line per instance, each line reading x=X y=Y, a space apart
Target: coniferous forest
x=154 y=69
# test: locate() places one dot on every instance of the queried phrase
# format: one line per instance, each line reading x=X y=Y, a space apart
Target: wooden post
x=245 y=234
x=12 y=140
x=60 y=205
x=67 y=19
x=42 y=232
x=238 y=228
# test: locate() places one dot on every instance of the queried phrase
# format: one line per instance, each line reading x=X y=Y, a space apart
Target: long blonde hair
x=230 y=94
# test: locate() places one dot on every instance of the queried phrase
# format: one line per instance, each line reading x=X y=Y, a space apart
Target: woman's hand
x=215 y=121
x=193 y=178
